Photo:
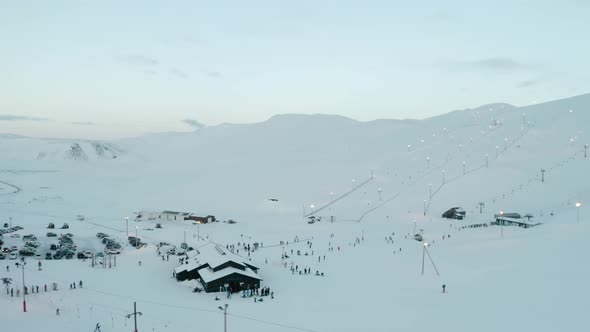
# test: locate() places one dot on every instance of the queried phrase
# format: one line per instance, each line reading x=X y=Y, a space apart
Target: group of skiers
x=32 y=290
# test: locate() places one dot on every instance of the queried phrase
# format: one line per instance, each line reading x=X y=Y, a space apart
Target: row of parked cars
x=112 y=247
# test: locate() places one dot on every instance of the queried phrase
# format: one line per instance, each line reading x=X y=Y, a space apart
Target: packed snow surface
x=370 y=186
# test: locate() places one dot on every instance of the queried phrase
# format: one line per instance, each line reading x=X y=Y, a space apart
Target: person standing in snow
x=444 y=288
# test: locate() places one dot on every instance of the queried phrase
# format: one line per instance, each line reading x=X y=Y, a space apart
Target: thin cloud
x=179 y=73
x=213 y=74
x=193 y=123
x=527 y=83
x=138 y=60
x=11 y=117
x=490 y=64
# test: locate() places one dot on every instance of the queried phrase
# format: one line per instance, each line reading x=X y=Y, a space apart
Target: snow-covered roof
x=216 y=255
x=176 y=213
x=209 y=275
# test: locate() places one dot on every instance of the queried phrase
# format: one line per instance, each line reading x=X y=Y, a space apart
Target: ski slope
x=379 y=179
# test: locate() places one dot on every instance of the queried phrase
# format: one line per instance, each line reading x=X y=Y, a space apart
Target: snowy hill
x=379 y=180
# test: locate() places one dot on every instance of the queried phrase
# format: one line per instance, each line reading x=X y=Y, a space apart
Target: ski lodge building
x=175 y=216
x=218 y=269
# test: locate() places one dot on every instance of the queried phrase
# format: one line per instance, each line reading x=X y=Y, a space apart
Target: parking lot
x=54 y=242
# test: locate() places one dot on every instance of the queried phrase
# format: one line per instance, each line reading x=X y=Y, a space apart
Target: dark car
x=101 y=235
x=53 y=246
x=48 y=256
x=26 y=252
x=69 y=256
x=50 y=234
x=80 y=255
x=58 y=255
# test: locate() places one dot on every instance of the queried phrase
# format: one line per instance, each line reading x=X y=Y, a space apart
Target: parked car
x=53 y=246
x=57 y=255
x=65 y=226
x=112 y=251
x=6 y=250
x=48 y=256
x=5 y=225
x=12 y=256
x=2 y=256
x=29 y=237
x=13 y=248
x=33 y=244
x=101 y=235
x=26 y=252
x=50 y=234
x=99 y=254
x=69 y=255
x=51 y=225
x=80 y=217
x=80 y=255
x=69 y=235
x=87 y=254
x=14 y=235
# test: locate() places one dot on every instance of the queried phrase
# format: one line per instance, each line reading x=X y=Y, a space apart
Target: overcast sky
x=122 y=68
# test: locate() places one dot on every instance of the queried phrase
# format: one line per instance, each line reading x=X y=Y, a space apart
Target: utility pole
x=585 y=152
x=481 y=204
x=134 y=314
x=542 y=175
x=443 y=176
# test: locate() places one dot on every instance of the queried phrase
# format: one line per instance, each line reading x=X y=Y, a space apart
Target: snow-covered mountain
x=377 y=179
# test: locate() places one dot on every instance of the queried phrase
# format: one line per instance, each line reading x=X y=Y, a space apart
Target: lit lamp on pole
x=578 y=206
x=423 y=255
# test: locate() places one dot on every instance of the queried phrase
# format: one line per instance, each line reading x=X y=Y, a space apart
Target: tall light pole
x=424 y=207
x=502 y=224
x=464 y=171
x=224 y=308
x=312 y=207
x=23 y=263
x=578 y=205
x=126 y=226
x=443 y=176
x=423 y=255
x=185 y=236
x=379 y=190
x=585 y=150
x=427 y=162
x=543 y=175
